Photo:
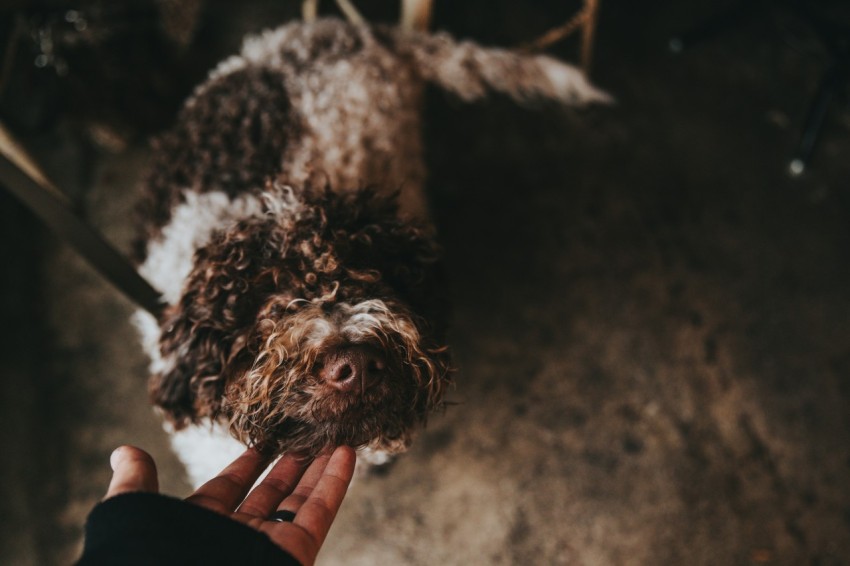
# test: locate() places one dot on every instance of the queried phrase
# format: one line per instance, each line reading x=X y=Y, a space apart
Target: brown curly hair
x=244 y=341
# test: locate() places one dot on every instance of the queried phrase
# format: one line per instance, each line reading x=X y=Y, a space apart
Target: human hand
x=312 y=494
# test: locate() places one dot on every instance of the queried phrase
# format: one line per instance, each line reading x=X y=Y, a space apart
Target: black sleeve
x=146 y=528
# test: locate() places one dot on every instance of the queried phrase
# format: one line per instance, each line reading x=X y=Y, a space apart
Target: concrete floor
x=651 y=324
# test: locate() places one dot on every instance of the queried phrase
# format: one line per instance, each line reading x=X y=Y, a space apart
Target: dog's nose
x=353 y=368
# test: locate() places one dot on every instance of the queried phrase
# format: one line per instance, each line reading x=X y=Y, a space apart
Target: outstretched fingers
x=294 y=500
x=320 y=508
x=315 y=503
x=225 y=491
x=278 y=484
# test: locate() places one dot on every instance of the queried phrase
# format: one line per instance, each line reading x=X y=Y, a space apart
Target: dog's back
x=334 y=104
x=320 y=104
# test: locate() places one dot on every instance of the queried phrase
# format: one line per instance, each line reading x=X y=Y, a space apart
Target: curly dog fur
x=285 y=279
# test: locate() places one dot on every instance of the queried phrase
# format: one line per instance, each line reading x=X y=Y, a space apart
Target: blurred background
x=651 y=305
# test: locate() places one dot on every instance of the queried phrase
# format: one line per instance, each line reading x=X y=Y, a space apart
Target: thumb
x=133 y=469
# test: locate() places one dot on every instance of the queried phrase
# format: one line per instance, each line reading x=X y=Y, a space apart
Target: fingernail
x=115 y=457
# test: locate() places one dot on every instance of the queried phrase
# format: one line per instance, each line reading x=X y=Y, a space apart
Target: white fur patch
x=355 y=323
x=359 y=129
x=571 y=84
x=170 y=258
x=366 y=318
x=230 y=65
x=193 y=222
x=205 y=450
x=148 y=328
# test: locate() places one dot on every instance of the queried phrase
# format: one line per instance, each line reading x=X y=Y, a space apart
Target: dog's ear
x=204 y=337
x=195 y=350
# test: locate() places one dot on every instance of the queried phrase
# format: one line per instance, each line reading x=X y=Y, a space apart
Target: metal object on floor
x=832 y=33
x=833 y=80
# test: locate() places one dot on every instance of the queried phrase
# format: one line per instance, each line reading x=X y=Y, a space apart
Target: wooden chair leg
x=585 y=21
x=310 y=10
x=416 y=14
x=350 y=12
x=588 y=31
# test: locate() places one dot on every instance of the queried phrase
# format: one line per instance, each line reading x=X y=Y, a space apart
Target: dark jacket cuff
x=147 y=528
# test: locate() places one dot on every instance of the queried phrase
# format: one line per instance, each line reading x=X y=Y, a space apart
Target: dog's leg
x=416 y=14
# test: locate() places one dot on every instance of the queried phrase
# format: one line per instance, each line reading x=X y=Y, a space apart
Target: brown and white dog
x=304 y=310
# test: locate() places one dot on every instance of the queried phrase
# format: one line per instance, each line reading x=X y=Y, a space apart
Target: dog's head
x=318 y=324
